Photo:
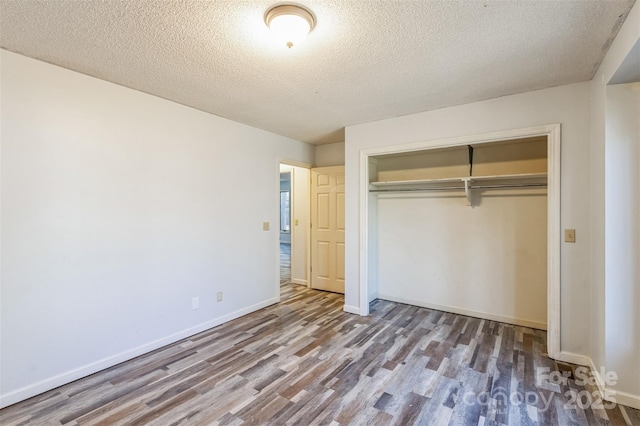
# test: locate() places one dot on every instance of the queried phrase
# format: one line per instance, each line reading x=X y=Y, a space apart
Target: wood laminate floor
x=305 y=361
x=285 y=263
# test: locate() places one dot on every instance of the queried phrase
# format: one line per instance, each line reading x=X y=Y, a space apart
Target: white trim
x=553 y=240
x=279 y=162
x=292 y=229
x=610 y=394
x=623 y=398
x=301 y=282
x=307 y=231
x=294 y=163
x=596 y=375
x=552 y=132
x=80 y=372
x=364 y=233
x=574 y=358
x=464 y=140
x=351 y=309
x=286 y=162
x=606 y=393
x=467 y=312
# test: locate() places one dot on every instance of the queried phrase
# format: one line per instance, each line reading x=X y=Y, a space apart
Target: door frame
x=287 y=162
x=290 y=173
x=554 y=238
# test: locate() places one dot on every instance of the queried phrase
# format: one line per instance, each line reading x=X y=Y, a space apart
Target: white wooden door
x=327 y=228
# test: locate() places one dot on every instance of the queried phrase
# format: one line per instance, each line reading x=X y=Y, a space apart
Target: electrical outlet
x=219 y=296
x=265 y=226
x=195 y=302
x=569 y=235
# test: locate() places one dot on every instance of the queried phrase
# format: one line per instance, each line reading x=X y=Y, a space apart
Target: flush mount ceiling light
x=289 y=23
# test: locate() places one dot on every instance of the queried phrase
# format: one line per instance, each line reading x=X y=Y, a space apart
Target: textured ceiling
x=365 y=60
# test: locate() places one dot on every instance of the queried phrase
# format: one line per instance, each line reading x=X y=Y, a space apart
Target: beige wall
x=330 y=155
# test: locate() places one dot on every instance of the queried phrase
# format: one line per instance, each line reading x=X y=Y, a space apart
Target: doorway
x=285 y=226
x=294 y=222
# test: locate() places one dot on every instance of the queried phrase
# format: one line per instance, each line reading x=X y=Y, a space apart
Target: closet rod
x=450 y=188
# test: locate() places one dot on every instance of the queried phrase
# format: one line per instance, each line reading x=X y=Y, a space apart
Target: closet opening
x=467 y=225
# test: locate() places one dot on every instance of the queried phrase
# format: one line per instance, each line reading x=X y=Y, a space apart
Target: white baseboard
x=86 y=370
x=301 y=282
x=627 y=399
x=574 y=358
x=610 y=394
x=467 y=312
x=351 y=309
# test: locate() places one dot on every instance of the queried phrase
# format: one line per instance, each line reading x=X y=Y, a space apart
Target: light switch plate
x=569 y=235
x=265 y=226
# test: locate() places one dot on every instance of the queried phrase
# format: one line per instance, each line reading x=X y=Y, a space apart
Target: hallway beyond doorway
x=285 y=263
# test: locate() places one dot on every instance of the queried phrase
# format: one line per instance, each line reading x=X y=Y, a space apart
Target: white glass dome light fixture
x=289 y=23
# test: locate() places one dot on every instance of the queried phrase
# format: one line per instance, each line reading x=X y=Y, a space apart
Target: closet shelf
x=466 y=183
x=412 y=182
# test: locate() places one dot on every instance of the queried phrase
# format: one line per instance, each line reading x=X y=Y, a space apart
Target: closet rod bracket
x=467 y=190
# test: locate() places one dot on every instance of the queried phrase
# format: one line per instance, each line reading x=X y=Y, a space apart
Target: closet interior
x=464 y=229
x=485 y=166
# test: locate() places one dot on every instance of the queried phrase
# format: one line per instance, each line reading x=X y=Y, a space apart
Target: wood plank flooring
x=304 y=361
x=285 y=263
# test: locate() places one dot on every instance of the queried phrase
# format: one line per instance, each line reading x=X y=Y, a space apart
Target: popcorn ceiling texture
x=365 y=60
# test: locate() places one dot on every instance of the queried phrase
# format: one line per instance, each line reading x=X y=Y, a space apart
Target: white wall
x=567 y=105
x=301 y=214
x=330 y=155
x=116 y=211
x=622 y=237
x=487 y=261
x=624 y=42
